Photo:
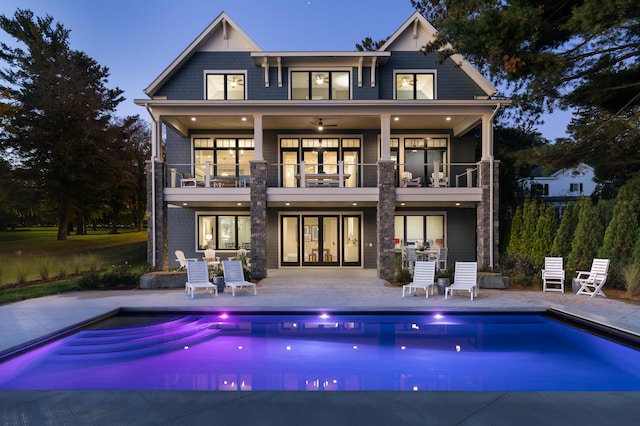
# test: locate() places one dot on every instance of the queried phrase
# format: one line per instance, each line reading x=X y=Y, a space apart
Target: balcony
x=316 y=183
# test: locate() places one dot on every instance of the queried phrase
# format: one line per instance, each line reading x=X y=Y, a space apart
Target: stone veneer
x=258 y=186
x=161 y=254
x=485 y=242
x=386 y=219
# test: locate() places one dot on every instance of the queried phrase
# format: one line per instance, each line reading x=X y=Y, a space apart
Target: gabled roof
x=222 y=34
x=416 y=32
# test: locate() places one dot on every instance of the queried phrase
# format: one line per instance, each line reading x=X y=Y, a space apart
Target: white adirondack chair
x=553 y=274
x=591 y=282
x=183 y=260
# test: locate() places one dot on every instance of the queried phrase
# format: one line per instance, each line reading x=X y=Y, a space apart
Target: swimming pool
x=136 y=350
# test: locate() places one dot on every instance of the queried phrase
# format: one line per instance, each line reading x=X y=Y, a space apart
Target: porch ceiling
x=189 y=116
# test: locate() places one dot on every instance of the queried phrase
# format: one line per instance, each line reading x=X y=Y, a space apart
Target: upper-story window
x=415 y=85
x=575 y=187
x=320 y=85
x=225 y=86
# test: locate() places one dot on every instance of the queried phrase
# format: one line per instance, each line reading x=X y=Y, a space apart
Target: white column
x=257 y=137
x=385 y=137
x=487 y=137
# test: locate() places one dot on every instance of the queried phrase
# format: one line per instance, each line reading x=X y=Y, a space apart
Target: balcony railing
x=328 y=175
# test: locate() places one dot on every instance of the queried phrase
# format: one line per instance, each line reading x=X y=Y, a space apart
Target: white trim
x=222 y=19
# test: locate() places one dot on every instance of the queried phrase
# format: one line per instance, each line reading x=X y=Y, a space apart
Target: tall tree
x=63 y=106
x=562 y=240
x=575 y=53
x=588 y=236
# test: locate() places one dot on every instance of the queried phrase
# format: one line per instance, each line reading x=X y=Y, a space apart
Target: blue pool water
x=235 y=352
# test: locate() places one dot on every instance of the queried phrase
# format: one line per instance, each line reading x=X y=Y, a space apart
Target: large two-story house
x=320 y=159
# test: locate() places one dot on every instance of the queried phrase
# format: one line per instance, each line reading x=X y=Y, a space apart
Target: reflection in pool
x=414 y=352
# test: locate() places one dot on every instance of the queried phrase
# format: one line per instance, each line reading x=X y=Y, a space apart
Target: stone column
x=386 y=218
x=487 y=216
x=258 y=219
x=157 y=255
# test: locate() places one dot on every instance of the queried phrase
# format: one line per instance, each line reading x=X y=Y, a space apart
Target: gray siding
x=452 y=82
x=461 y=235
x=181 y=234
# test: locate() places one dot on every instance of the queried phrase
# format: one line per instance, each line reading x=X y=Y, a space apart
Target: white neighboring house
x=562 y=185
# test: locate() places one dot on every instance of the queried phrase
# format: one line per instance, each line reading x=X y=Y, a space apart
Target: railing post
x=174 y=173
x=341 y=174
x=436 y=173
x=469 y=177
x=303 y=182
x=207 y=174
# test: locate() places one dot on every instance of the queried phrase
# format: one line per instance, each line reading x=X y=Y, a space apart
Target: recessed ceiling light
x=239 y=204
x=457 y=204
x=193 y=119
x=184 y=204
x=287 y=204
x=448 y=118
x=396 y=118
x=355 y=204
x=244 y=118
x=402 y=204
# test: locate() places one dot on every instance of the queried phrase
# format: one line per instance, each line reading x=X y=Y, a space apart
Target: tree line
x=66 y=157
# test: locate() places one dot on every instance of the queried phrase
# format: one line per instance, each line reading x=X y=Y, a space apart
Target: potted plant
x=217 y=277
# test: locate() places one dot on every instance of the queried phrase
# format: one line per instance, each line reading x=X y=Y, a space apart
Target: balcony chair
x=438 y=179
x=409 y=181
x=187 y=180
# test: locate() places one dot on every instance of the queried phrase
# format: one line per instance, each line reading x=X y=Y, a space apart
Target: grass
x=35 y=264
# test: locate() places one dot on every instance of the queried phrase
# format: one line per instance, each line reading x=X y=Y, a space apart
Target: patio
x=321 y=289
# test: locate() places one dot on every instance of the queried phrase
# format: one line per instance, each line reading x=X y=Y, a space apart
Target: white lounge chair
x=198 y=277
x=234 y=276
x=465 y=278
x=591 y=282
x=183 y=260
x=553 y=274
x=423 y=277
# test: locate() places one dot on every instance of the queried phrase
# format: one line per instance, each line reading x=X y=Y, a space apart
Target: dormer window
x=415 y=85
x=320 y=85
x=223 y=86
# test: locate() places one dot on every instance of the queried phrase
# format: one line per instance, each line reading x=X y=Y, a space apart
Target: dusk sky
x=138 y=39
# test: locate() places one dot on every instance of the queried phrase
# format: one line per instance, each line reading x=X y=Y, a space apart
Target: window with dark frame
x=320 y=85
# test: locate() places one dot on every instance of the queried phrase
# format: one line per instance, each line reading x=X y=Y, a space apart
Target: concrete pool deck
x=321 y=289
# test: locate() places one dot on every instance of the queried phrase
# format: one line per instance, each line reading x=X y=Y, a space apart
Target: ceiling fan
x=236 y=82
x=320 y=124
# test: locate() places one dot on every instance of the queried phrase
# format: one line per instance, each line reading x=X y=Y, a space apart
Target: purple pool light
x=479 y=352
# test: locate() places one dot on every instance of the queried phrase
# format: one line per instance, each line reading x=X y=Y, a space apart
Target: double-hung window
x=320 y=85
x=415 y=85
x=225 y=86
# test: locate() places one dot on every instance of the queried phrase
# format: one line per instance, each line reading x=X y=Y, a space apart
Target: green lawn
x=28 y=254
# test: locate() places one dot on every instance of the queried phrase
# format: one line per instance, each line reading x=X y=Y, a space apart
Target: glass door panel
x=330 y=244
x=351 y=168
x=289 y=169
x=290 y=251
x=310 y=247
x=330 y=161
x=351 y=240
